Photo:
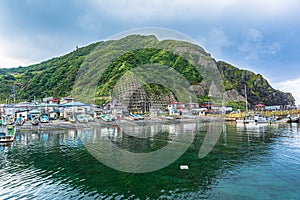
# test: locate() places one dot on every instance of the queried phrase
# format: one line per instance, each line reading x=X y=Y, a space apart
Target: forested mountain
x=56 y=77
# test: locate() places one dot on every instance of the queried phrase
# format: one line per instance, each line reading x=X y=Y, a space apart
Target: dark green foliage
x=142 y=57
x=54 y=77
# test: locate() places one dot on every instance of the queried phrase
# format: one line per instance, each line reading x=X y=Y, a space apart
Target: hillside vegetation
x=56 y=76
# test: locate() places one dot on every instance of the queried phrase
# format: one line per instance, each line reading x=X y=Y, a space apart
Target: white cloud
x=254 y=45
x=292 y=86
x=99 y=18
x=272 y=48
x=23 y=50
x=143 y=11
x=215 y=41
x=11 y=54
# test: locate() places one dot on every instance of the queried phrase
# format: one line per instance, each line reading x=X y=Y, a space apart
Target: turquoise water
x=258 y=162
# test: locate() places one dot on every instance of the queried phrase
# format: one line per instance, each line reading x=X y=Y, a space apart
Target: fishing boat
x=293 y=120
x=7 y=120
x=245 y=121
x=260 y=119
x=283 y=120
x=72 y=119
x=105 y=118
x=138 y=117
x=170 y=117
x=44 y=118
x=289 y=119
x=256 y=119
x=34 y=122
x=7 y=134
x=81 y=119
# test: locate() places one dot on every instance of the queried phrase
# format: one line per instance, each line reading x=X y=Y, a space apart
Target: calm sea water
x=258 y=162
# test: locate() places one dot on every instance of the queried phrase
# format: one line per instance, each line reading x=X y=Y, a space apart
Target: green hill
x=106 y=62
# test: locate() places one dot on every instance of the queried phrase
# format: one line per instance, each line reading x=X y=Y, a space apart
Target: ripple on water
x=247 y=162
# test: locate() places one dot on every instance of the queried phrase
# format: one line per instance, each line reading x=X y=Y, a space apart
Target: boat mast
x=246 y=99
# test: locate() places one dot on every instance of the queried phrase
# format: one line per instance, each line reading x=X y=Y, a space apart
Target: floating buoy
x=184 y=167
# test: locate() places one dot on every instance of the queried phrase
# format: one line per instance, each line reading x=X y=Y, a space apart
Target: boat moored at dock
x=7 y=134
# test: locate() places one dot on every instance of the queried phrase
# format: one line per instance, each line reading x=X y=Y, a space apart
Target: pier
x=278 y=113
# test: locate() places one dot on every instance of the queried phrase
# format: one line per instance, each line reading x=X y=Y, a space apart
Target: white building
x=23 y=113
x=74 y=108
x=65 y=100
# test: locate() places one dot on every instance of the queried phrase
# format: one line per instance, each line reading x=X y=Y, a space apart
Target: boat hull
x=8 y=135
x=6 y=139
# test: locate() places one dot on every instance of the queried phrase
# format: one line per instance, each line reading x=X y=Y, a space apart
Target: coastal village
x=149 y=100
x=67 y=110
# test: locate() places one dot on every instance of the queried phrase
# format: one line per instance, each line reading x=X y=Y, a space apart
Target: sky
x=259 y=35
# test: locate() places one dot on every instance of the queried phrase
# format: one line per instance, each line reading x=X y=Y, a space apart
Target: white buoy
x=184 y=167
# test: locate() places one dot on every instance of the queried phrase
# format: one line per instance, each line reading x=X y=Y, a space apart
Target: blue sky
x=259 y=35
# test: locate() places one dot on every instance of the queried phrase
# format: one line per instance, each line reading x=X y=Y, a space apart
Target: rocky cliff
x=258 y=89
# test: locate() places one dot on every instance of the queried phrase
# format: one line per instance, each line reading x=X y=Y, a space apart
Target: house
x=260 y=106
x=74 y=108
x=176 y=105
x=192 y=105
x=65 y=100
x=1 y=108
x=50 y=100
x=176 y=108
x=47 y=99
x=25 y=105
x=8 y=109
x=22 y=113
x=33 y=113
x=206 y=105
x=273 y=108
x=49 y=107
x=199 y=111
x=114 y=107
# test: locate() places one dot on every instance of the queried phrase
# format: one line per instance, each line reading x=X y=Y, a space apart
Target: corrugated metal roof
x=70 y=104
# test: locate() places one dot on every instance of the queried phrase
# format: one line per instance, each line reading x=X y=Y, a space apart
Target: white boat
x=170 y=117
x=7 y=120
x=7 y=134
x=260 y=119
x=139 y=117
x=105 y=118
x=82 y=119
x=247 y=120
x=283 y=120
x=44 y=118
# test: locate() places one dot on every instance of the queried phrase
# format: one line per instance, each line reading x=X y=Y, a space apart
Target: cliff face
x=258 y=89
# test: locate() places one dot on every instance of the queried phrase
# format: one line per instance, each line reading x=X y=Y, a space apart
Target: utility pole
x=14 y=93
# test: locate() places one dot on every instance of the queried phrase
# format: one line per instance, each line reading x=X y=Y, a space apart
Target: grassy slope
x=55 y=77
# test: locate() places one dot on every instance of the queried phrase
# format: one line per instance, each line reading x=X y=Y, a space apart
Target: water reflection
x=139 y=149
x=56 y=164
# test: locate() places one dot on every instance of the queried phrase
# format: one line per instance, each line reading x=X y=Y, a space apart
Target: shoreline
x=62 y=125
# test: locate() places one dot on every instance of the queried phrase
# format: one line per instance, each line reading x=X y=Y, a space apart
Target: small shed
x=33 y=113
x=260 y=106
x=23 y=113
